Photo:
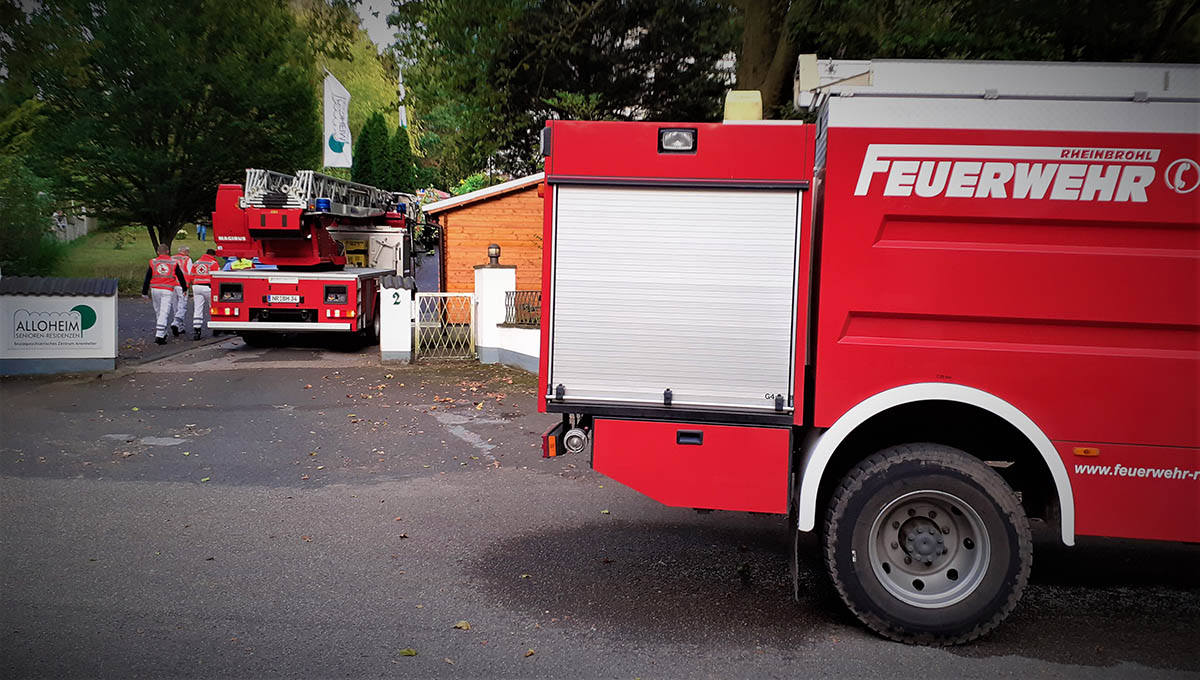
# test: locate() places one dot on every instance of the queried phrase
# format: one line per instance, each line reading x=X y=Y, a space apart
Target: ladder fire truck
x=966 y=296
x=306 y=228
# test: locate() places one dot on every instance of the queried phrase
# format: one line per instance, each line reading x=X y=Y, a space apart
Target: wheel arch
x=824 y=455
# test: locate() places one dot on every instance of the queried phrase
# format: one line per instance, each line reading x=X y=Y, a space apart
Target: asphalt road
x=230 y=512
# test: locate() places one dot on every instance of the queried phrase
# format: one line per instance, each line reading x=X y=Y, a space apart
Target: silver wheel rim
x=929 y=549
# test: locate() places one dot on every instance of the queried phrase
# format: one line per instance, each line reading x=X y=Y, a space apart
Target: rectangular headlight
x=677 y=140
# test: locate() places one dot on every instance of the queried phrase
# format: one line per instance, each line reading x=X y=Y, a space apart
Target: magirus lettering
x=1008 y=172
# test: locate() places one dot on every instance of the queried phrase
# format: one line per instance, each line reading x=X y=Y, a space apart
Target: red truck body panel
x=311 y=310
x=1084 y=314
x=230 y=232
x=689 y=465
x=1056 y=271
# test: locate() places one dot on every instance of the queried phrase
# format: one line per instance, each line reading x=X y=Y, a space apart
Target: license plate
x=295 y=299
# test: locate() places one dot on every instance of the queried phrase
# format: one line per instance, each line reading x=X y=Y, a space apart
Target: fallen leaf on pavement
x=320 y=467
x=529 y=653
x=525 y=575
x=403 y=535
x=135 y=409
x=303 y=477
x=462 y=625
x=408 y=651
x=306 y=539
x=205 y=479
x=187 y=453
x=398 y=519
x=449 y=660
x=604 y=512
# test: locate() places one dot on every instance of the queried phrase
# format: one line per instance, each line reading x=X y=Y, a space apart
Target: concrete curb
x=177 y=348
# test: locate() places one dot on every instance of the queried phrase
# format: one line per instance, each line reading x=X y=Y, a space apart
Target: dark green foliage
x=27 y=247
x=484 y=75
x=473 y=182
x=399 y=171
x=370 y=150
x=148 y=106
x=1043 y=30
x=1033 y=30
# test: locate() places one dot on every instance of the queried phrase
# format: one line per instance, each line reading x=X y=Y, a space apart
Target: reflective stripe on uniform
x=162 y=273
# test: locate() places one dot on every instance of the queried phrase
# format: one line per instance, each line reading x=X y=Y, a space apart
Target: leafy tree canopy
x=774 y=32
x=482 y=76
x=148 y=106
x=370 y=149
x=26 y=247
x=399 y=173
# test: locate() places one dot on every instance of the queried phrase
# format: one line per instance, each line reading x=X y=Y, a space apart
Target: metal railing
x=523 y=308
x=270 y=189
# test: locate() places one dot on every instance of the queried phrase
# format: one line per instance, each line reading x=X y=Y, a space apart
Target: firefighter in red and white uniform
x=163 y=276
x=184 y=259
x=202 y=270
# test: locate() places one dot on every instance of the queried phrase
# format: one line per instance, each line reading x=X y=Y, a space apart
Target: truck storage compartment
x=690 y=465
x=687 y=289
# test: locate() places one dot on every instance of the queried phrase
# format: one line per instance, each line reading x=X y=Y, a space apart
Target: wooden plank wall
x=513 y=220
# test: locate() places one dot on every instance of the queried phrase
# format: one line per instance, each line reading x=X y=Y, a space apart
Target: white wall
x=496 y=344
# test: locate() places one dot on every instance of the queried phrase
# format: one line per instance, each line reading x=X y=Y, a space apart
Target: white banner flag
x=337 y=124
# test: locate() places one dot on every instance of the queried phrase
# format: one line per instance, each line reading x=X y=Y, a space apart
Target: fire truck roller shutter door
x=687 y=289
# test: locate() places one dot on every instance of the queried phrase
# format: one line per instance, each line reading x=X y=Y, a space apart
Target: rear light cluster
x=339 y=314
x=224 y=311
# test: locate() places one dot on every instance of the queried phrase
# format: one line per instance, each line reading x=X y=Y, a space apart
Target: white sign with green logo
x=54 y=327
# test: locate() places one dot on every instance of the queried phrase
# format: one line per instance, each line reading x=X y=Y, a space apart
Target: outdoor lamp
x=494 y=254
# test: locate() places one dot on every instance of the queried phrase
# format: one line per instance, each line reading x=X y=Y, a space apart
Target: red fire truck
x=966 y=296
x=305 y=228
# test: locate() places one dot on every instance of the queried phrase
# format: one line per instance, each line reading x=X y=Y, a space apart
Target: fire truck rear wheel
x=927 y=545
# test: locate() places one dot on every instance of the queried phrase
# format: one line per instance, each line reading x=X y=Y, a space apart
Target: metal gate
x=445 y=327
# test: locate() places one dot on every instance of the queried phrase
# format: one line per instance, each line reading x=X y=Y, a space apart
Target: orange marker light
x=1086 y=451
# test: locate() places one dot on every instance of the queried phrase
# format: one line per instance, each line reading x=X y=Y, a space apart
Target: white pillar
x=492 y=282
x=395 y=333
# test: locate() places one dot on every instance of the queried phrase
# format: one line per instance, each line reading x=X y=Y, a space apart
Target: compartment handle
x=689 y=437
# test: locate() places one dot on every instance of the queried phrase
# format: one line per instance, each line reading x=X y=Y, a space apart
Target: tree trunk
x=154 y=237
x=767 y=57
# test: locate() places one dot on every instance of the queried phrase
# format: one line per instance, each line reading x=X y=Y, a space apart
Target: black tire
x=914 y=575
x=367 y=335
x=376 y=326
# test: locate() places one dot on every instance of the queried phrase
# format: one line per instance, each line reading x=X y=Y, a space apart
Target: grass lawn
x=98 y=255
